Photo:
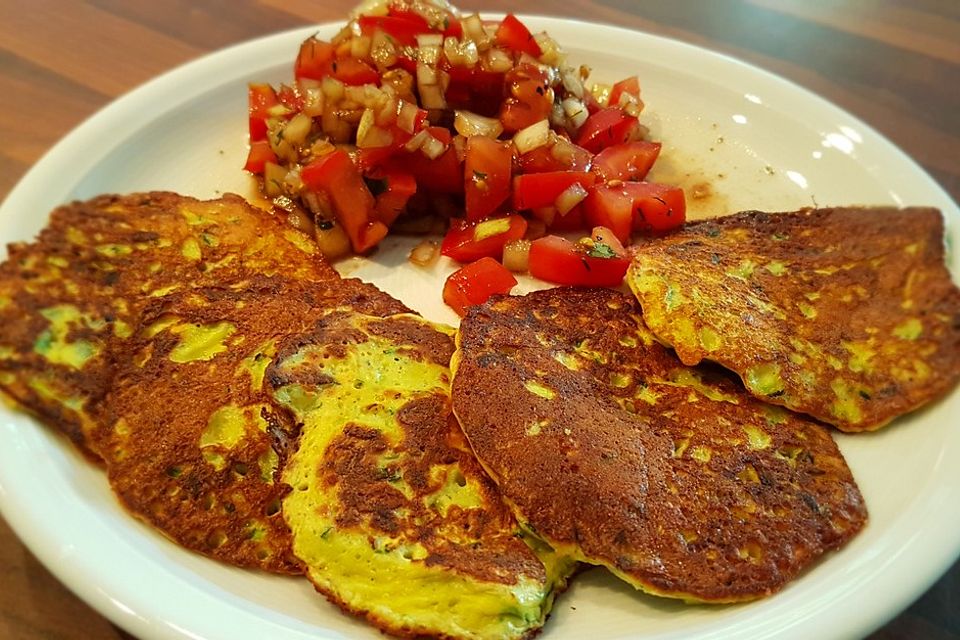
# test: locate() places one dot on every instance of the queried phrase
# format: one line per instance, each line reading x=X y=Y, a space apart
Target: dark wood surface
x=893 y=63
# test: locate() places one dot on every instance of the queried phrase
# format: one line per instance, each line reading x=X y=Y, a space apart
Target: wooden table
x=893 y=63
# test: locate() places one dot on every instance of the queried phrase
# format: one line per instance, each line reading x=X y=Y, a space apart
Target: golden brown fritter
x=847 y=314
x=391 y=514
x=192 y=442
x=610 y=449
x=82 y=284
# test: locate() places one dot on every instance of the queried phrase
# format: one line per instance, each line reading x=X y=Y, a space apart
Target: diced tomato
x=354 y=72
x=441 y=175
x=629 y=161
x=313 y=60
x=543 y=159
x=451 y=25
x=317 y=60
x=486 y=175
x=370 y=158
x=529 y=97
x=473 y=89
x=353 y=204
x=635 y=206
x=584 y=264
x=535 y=190
x=260 y=98
x=629 y=85
x=469 y=241
x=605 y=128
x=290 y=98
x=574 y=220
x=404 y=29
x=396 y=188
x=474 y=283
x=514 y=35
x=259 y=155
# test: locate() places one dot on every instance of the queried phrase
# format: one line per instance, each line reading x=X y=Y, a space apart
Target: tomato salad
x=414 y=114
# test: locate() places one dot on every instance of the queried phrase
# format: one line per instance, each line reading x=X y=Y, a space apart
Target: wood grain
x=893 y=63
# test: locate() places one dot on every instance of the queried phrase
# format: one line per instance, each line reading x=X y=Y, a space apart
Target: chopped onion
x=571 y=82
x=360 y=47
x=532 y=137
x=563 y=150
x=369 y=134
x=473 y=28
x=300 y=220
x=332 y=240
x=417 y=141
x=571 y=197
x=460 y=147
x=516 y=255
x=601 y=92
x=407 y=115
x=550 y=52
x=432 y=148
x=371 y=8
x=273 y=179
x=313 y=101
x=469 y=124
x=425 y=254
x=297 y=129
x=332 y=90
x=431 y=97
x=429 y=40
x=428 y=48
x=576 y=112
x=382 y=50
x=497 y=61
x=426 y=75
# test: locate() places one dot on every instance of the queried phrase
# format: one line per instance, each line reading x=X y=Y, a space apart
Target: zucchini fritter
x=391 y=514
x=82 y=284
x=847 y=314
x=612 y=450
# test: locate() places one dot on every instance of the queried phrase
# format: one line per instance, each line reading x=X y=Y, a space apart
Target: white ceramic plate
x=758 y=141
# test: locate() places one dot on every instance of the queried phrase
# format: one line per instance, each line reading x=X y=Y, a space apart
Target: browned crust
x=615 y=477
x=156 y=465
x=862 y=273
x=94 y=281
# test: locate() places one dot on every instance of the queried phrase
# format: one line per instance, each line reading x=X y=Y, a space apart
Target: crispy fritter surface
x=82 y=284
x=391 y=514
x=193 y=444
x=848 y=314
x=609 y=448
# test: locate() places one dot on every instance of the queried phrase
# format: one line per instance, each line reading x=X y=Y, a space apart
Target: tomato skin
x=606 y=128
x=403 y=29
x=535 y=190
x=317 y=60
x=658 y=208
x=313 y=59
x=629 y=162
x=339 y=178
x=474 y=283
x=514 y=35
x=354 y=72
x=260 y=154
x=542 y=160
x=260 y=97
x=486 y=175
x=529 y=97
x=399 y=187
x=469 y=241
x=629 y=85
x=635 y=206
x=561 y=261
